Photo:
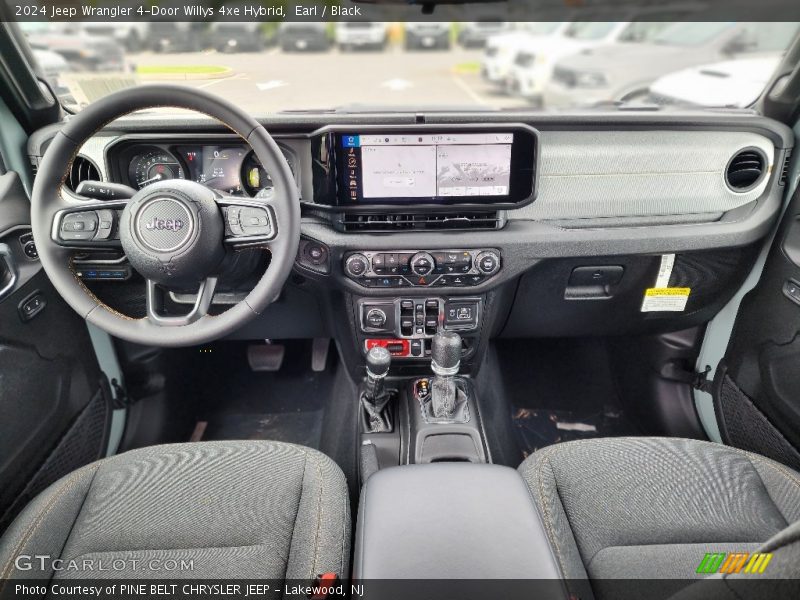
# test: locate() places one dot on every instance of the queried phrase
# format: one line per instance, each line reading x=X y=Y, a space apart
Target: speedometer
x=156 y=165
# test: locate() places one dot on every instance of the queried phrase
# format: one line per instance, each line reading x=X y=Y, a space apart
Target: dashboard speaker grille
x=419 y=222
x=745 y=170
x=82 y=169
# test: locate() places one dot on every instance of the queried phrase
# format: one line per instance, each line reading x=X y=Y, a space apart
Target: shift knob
x=379 y=359
x=446 y=353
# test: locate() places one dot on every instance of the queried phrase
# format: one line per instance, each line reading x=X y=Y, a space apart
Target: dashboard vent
x=745 y=170
x=419 y=222
x=82 y=169
x=787 y=162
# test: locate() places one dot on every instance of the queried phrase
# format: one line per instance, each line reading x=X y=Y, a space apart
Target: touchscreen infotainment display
x=407 y=167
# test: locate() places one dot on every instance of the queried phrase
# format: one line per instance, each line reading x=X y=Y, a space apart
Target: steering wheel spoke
x=248 y=222
x=88 y=225
x=155 y=304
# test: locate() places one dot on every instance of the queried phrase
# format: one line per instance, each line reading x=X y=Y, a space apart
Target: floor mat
x=302 y=427
x=561 y=390
x=537 y=428
x=286 y=405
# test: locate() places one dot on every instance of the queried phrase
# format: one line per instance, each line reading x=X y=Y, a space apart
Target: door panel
x=758 y=396
x=53 y=411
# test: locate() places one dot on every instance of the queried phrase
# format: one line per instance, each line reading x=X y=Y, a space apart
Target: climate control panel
x=424 y=268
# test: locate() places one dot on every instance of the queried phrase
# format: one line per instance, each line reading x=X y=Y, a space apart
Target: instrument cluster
x=230 y=168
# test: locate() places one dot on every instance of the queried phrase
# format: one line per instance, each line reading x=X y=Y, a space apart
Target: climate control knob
x=356 y=265
x=488 y=262
x=422 y=264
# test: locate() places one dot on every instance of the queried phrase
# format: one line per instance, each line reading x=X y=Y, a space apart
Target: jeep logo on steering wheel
x=157 y=224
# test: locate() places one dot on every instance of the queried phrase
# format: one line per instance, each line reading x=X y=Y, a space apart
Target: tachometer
x=156 y=165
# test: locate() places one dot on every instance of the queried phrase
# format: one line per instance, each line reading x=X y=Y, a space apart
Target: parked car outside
x=353 y=35
x=300 y=37
x=428 y=35
x=501 y=49
x=131 y=34
x=170 y=36
x=733 y=83
x=624 y=72
x=82 y=52
x=237 y=36
x=533 y=64
x=474 y=34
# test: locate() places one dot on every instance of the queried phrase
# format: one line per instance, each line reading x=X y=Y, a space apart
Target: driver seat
x=232 y=509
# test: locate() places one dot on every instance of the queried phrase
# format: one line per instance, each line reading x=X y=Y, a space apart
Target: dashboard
x=507 y=220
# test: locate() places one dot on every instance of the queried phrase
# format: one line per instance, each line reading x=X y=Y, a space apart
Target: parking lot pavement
x=274 y=80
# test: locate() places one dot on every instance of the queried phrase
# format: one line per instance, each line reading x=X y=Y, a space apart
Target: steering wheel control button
x=232 y=222
x=105 y=224
x=80 y=226
x=255 y=221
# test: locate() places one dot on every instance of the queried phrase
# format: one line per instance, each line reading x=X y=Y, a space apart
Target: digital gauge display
x=218 y=167
x=232 y=169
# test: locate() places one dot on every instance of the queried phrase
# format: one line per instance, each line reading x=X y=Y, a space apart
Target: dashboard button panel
x=441 y=268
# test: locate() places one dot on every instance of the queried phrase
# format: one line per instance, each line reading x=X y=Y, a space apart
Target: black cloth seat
x=234 y=509
x=651 y=508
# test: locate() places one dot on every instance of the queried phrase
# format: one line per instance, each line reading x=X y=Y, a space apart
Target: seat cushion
x=235 y=509
x=653 y=507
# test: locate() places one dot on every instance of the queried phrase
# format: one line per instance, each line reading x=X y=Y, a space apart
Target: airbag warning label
x=665 y=299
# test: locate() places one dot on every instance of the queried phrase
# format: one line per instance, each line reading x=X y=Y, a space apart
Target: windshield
x=691 y=34
x=291 y=66
x=589 y=31
x=540 y=28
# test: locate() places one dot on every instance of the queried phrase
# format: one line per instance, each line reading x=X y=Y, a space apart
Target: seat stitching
x=31 y=529
x=297 y=511
x=319 y=518
x=548 y=523
x=345 y=508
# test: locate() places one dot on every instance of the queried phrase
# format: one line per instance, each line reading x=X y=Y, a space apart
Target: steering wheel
x=175 y=233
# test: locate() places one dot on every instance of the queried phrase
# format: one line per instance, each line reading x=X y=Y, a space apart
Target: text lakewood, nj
x=193 y=11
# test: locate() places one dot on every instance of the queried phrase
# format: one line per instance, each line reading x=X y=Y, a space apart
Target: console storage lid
x=450 y=521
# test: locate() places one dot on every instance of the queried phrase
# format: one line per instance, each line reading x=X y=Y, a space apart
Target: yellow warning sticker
x=665 y=299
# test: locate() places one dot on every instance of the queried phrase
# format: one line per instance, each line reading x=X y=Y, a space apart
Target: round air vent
x=745 y=170
x=82 y=169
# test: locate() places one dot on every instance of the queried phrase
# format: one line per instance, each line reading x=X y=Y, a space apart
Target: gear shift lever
x=445 y=362
x=375 y=398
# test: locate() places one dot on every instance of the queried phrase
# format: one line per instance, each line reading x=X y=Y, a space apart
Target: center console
x=453 y=522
